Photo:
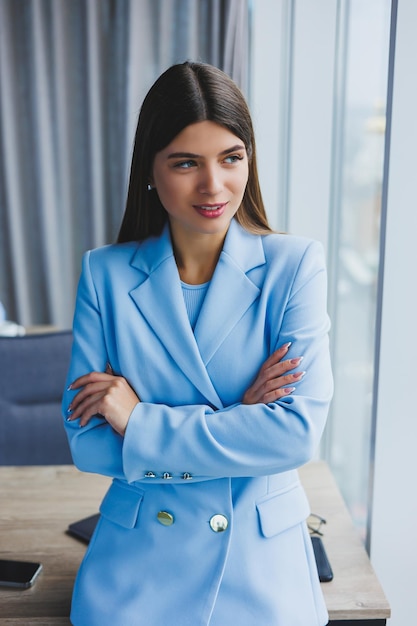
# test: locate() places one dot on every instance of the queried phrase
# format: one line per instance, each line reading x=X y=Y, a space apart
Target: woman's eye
x=185 y=164
x=233 y=158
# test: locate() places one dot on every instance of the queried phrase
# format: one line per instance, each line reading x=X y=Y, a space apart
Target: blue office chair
x=33 y=369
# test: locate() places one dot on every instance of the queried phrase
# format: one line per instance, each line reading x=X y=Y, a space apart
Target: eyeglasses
x=314 y=523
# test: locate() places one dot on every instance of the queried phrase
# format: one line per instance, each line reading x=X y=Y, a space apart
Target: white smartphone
x=20 y=574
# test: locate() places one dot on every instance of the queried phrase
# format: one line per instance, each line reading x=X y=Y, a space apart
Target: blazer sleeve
x=239 y=440
x=99 y=451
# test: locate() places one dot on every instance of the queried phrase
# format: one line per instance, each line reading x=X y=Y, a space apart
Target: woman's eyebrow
x=238 y=146
x=183 y=155
x=191 y=155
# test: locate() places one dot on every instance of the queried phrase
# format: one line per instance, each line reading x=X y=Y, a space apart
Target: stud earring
x=149 y=187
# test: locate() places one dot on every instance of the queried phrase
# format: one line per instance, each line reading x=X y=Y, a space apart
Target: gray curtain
x=73 y=74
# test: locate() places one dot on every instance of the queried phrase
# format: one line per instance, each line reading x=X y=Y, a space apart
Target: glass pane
x=358 y=170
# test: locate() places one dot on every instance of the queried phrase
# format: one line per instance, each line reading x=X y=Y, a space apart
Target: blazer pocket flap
x=121 y=505
x=279 y=511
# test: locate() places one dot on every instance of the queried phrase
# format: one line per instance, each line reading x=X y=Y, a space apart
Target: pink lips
x=210 y=210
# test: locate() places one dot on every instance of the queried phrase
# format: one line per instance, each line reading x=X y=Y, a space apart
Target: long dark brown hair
x=185 y=94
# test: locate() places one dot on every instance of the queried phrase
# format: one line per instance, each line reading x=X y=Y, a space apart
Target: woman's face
x=200 y=178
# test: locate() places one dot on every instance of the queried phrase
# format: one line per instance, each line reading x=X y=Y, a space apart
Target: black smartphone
x=323 y=564
x=20 y=574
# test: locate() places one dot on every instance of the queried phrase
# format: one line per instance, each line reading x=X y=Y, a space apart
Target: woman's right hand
x=274 y=380
x=105 y=394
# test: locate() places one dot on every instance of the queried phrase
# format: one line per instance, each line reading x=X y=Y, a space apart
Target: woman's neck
x=197 y=256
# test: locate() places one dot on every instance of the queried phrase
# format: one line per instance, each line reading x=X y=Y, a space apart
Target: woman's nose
x=210 y=181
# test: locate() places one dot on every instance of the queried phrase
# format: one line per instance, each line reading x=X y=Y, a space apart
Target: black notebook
x=84 y=528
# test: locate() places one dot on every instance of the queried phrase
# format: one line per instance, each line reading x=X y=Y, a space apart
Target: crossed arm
x=112 y=397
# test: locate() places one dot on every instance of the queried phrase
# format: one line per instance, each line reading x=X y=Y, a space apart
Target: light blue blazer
x=204 y=523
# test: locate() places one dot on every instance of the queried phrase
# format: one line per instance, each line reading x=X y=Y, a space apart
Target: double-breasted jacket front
x=204 y=523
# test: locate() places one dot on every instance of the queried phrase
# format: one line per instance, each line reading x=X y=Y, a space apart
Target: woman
x=185 y=383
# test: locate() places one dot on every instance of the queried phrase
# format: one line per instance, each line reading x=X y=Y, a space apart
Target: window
x=359 y=137
x=318 y=91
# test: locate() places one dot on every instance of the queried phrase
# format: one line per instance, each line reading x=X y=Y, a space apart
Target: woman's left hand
x=105 y=394
x=273 y=379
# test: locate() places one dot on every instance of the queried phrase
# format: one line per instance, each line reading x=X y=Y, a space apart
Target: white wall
x=315 y=25
x=394 y=521
x=291 y=101
x=269 y=102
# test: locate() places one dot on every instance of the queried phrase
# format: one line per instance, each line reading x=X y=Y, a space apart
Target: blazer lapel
x=231 y=291
x=159 y=298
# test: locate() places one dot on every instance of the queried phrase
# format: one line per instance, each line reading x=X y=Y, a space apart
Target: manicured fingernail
x=289 y=389
x=296 y=361
x=287 y=345
x=69 y=387
x=299 y=375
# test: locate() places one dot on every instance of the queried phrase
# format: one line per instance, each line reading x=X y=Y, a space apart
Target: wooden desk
x=354 y=596
x=38 y=503
x=36 y=506
x=41 y=329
